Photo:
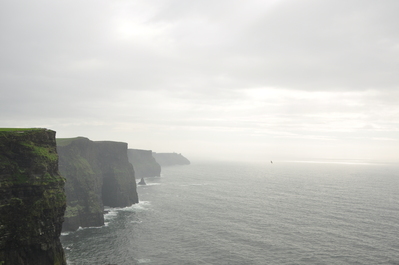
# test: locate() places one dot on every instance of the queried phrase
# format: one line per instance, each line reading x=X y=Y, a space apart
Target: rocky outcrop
x=119 y=187
x=170 y=159
x=32 y=198
x=78 y=163
x=143 y=163
x=98 y=174
x=142 y=182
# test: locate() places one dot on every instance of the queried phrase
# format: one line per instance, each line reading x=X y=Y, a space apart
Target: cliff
x=119 y=187
x=144 y=163
x=32 y=198
x=170 y=159
x=78 y=163
x=98 y=174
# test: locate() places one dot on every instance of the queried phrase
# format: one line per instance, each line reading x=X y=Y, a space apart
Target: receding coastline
x=48 y=185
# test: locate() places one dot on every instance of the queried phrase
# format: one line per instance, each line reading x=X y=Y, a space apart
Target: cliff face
x=78 y=163
x=170 y=159
x=119 y=187
x=144 y=163
x=98 y=174
x=32 y=198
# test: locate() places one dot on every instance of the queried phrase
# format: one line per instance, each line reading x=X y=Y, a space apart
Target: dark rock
x=32 y=198
x=78 y=163
x=142 y=182
x=98 y=174
x=119 y=183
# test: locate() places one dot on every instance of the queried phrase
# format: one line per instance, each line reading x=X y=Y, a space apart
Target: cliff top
x=32 y=198
x=4 y=130
x=170 y=159
x=140 y=150
x=67 y=141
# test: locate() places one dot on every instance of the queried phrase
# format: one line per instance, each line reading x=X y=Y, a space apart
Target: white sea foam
x=150 y=184
x=141 y=206
x=113 y=212
x=89 y=227
x=140 y=261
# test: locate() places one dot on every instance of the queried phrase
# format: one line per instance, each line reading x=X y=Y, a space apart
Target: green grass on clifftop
x=67 y=141
x=19 y=129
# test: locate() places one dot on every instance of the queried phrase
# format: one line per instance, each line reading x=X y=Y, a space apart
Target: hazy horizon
x=226 y=80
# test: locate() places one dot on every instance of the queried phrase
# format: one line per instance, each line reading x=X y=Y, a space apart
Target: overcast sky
x=224 y=79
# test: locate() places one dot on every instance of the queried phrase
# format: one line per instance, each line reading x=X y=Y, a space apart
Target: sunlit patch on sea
x=280 y=213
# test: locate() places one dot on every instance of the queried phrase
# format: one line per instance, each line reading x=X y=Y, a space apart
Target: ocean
x=238 y=213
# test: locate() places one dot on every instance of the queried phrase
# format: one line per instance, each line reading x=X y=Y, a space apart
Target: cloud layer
x=293 y=79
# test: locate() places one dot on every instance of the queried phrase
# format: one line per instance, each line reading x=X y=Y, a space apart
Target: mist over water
x=231 y=213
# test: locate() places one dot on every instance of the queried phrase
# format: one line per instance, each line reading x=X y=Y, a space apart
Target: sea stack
x=142 y=182
x=32 y=198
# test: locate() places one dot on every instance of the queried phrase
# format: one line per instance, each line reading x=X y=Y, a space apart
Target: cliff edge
x=97 y=174
x=170 y=159
x=144 y=163
x=119 y=187
x=78 y=163
x=32 y=198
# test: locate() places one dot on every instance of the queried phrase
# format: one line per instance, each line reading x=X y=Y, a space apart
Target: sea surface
x=237 y=213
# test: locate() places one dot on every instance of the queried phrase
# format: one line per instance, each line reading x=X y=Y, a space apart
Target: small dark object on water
x=142 y=182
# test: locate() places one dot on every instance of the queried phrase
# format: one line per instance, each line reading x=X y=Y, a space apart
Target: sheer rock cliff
x=144 y=163
x=78 y=163
x=32 y=198
x=98 y=174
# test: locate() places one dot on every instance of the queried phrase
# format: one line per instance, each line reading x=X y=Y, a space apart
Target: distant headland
x=170 y=159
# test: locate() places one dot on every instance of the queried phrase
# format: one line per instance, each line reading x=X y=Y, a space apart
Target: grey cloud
x=311 y=45
x=292 y=44
x=147 y=65
x=323 y=45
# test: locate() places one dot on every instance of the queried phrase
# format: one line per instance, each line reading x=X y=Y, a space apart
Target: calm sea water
x=231 y=213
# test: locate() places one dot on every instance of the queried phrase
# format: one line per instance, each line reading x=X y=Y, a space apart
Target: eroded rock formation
x=32 y=198
x=119 y=187
x=98 y=174
x=78 y=163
